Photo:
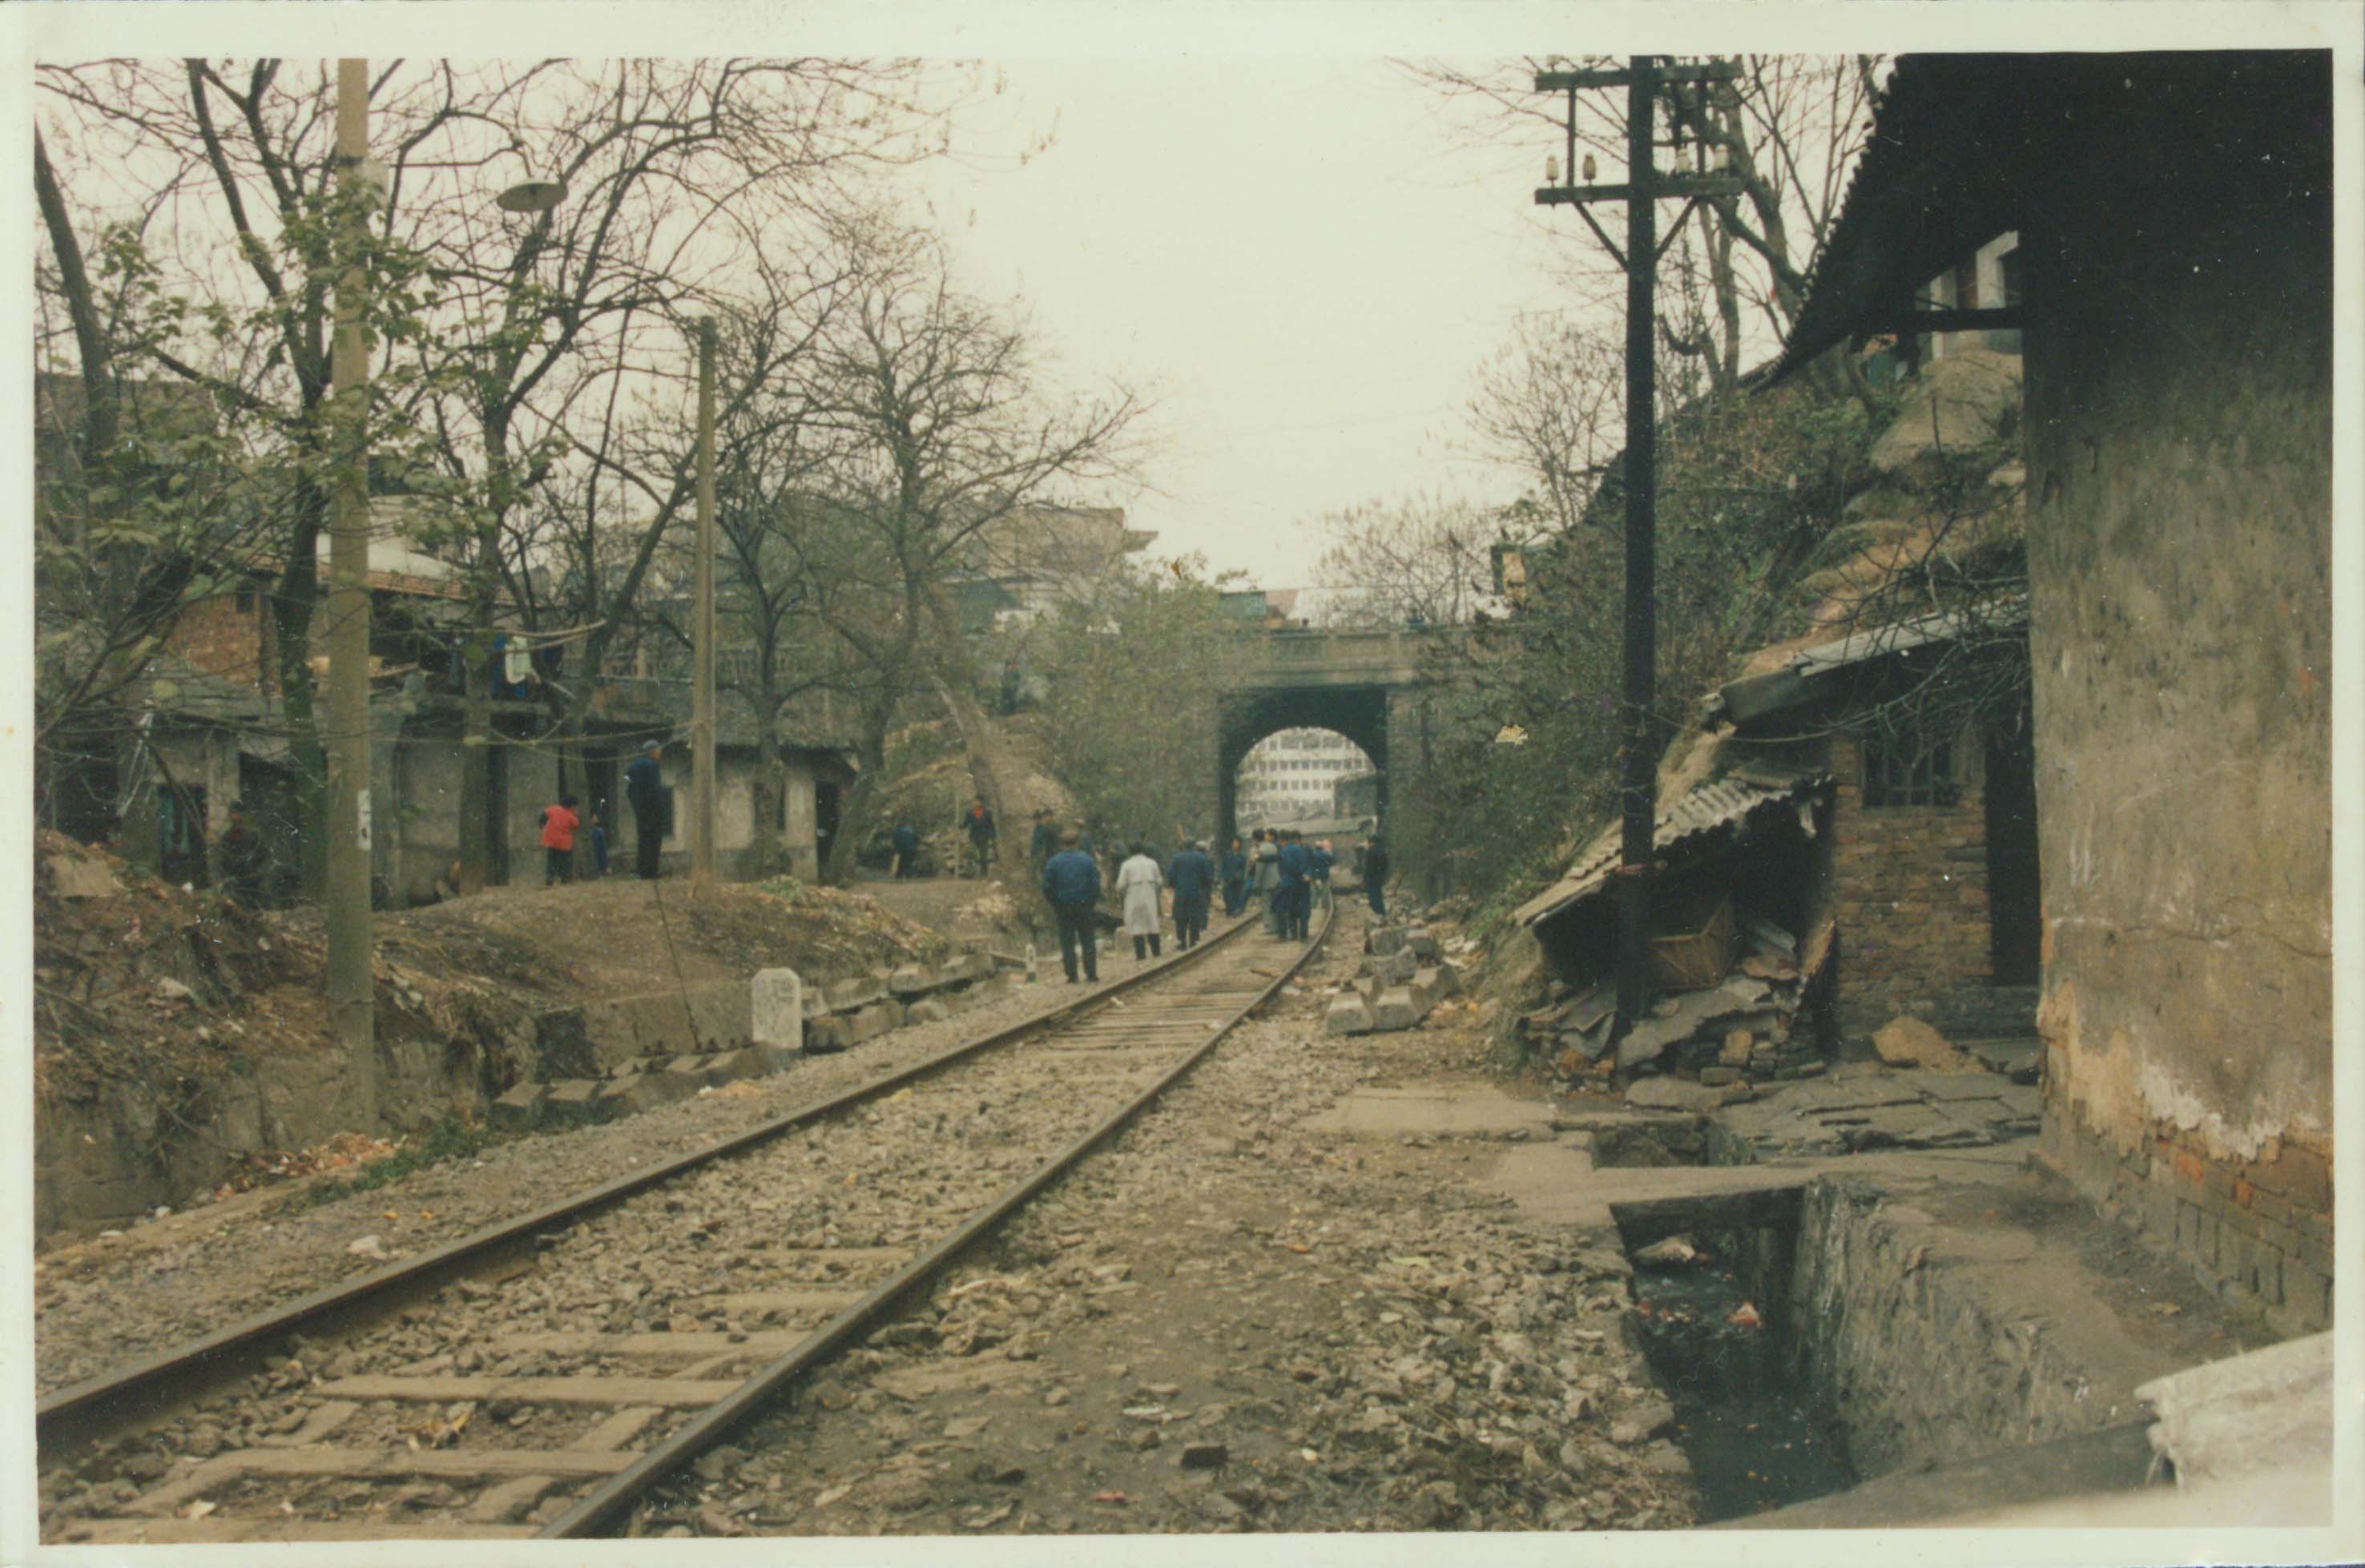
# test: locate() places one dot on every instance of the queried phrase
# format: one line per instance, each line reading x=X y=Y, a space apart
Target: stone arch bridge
x=1373 y=687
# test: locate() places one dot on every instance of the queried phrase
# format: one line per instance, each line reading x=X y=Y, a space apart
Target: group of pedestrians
x=1071 y=883
x=1277 y=868
x=1289 y=877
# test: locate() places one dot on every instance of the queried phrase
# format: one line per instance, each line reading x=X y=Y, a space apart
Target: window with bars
x=1910 y=772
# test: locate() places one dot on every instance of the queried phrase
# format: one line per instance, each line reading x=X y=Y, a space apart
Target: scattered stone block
x=1394 y=1010
x=853 y=992
x=758 y=1061
x=1738 y=1044
x=966 y=967
x=1384 y=940
x=1672 y=1094
x=1910 y=1042
x=777 y=1009
x=571 y=1099
x=694 y=1071
x=633 y=1092
x=1422 y=944
x=927 y=1010
x=1718 y=1077
x=824 y=1035
x=912 y=980
x=76 y=877
x=521 y=1108
x=1349 y=1014
x=876 y=1020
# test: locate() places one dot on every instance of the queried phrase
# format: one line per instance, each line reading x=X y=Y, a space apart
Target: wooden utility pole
x=1637 y=758
x=348 y=862
x=701 y=721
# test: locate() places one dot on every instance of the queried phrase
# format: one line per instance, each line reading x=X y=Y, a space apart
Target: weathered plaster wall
x=1909 y=887
x=2180 y=441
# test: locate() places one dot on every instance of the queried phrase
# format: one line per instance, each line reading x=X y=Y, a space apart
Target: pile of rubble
x=1405 y=975
x=1746 y=1028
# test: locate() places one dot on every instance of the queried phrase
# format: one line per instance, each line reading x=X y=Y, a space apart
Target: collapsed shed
x=1809 y=829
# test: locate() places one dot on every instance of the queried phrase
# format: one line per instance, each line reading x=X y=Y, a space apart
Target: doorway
x=825 y=805
x=181 y=834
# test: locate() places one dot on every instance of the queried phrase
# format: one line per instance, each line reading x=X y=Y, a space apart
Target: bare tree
x=947 y=428
x=1788 y=128
x=674 y=171
x=1426 y=561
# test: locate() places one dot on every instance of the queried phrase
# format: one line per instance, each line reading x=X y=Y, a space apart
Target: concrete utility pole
x=348 y=886
x=1637 y=758
x=701 y=721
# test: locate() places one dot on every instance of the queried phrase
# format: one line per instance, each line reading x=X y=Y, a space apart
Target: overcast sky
x=1299 y=257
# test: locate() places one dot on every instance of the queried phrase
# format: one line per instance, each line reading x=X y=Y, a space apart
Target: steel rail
x=710 y=1426
x=152 y=1382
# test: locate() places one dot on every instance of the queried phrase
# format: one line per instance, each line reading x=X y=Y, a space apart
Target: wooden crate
x=1696 y=945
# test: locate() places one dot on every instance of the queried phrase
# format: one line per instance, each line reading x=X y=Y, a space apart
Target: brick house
x=2175 y=312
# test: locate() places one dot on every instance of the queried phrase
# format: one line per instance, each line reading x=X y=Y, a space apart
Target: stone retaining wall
x=1917 y=1373
x=644 y=1051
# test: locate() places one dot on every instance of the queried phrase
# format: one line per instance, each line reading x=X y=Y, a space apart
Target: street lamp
x=540 y=197
x=531 y=195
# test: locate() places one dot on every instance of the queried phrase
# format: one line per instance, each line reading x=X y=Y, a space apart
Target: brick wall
x=217 y=637
x=2257 y=1231
x=1909 y=888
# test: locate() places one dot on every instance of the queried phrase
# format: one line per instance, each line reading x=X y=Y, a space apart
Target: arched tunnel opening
x=1282 y=752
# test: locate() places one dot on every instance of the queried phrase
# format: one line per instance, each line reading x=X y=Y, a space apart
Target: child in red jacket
x=558 y=826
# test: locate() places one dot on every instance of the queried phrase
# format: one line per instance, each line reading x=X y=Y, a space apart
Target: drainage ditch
x=1805 y=1348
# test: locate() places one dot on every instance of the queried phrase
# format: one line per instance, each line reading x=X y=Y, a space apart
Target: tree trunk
x=768 y=790
x=854 y=808
x=292 y=608
x=989 y=761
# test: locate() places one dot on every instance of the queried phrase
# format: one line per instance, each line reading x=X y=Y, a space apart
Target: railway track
x=537 y=1378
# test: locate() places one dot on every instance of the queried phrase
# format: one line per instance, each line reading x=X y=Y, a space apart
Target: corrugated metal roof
x=1703 y=809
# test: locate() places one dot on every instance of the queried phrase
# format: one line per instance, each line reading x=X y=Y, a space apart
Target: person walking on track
x=1296 y=865
x=1192 y=877
x=1376 y=875
x=1071 y=882
x=1265 y=878
x=906 y=839
x=1236 y=880
x=1137 y=882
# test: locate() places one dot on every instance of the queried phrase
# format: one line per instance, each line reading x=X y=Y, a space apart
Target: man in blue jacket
x=645 y=787
x=1071 y=882
x=1192 y=877
x=1236 y=879
x=1294 y=898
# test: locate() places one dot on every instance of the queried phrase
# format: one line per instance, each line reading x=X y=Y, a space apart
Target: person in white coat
x=1137 y=882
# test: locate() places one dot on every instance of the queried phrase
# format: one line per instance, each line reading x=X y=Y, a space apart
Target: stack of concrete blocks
x=625 y=1055
x=1403 y=978
x=855 y=1009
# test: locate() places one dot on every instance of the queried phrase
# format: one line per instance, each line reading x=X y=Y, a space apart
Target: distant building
x=1293 y=776
x=1026 y=563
